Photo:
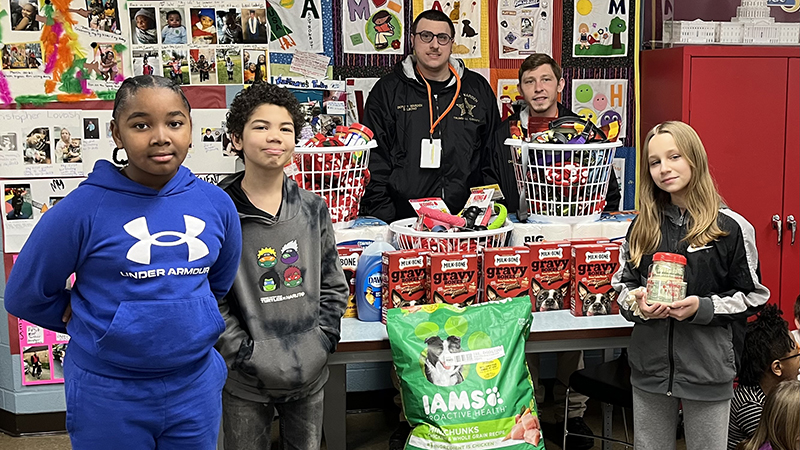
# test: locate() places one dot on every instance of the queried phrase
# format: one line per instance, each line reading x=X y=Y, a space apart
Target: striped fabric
x=745 y=413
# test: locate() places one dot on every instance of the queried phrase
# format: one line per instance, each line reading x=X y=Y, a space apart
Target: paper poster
x=41 y=143
x=292 y=25
x=368 y=28
x=524 y=27
x=310 y=65
x=42 y=354
x=357 y=92
x=24 y=203
x=600 y=28
x=322 y=102
x=467 y=18
x=210 y=151
x=603 y=101
x=199 y=43
x=61 y=51
x=507 y=94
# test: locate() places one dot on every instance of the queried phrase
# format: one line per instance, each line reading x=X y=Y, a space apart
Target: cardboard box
x=453 y=278
x=405 y=279
x=550 y=275
x=593 y=266
x=506 y=272
x=348 y=258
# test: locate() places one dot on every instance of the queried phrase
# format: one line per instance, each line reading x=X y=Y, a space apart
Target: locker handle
x=792 y=224
x=776 y=224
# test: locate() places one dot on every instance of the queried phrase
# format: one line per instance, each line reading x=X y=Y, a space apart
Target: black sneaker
x=577 y=425
x=397 y=441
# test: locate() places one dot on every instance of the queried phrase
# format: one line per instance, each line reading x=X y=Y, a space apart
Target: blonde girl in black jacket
x=685 y=353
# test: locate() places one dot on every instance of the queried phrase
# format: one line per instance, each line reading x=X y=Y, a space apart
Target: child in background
x=779 y=428
x=283 y=314
x=176 y=72
x=203 y=68
x=141 y=369
x=204 y=31
x=229 y=67
x=232 y=31
x=770 y=356
x=28 y=19
x=250 y=74
x=685 y=353
x=174 y=32
x=796 y=331
x=145 y=31
x=147 y=69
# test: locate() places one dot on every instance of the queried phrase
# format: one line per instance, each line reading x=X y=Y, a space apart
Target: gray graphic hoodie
x=283 y=313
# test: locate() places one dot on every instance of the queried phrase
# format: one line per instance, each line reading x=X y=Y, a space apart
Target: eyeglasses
x=441 y=38
x=789 y=357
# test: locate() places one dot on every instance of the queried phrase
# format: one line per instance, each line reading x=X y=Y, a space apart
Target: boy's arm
x=377 y=201
x=333 y=288
x=234 y=337
x=36 y=290
x=223 y=272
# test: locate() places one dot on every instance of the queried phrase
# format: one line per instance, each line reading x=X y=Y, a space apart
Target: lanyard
x=430 y=99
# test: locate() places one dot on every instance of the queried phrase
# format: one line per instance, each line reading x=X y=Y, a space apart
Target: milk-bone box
x=453 y=278
x=506 y=272
x=550 y=275
x=593 y=266
x=405 y=279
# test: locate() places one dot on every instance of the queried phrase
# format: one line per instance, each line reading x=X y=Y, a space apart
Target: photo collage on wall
x=42 y=354
x=200 y=43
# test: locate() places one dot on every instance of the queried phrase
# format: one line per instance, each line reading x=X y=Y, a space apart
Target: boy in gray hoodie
x=284 y=311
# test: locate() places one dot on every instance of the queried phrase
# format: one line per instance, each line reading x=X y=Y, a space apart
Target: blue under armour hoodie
x=149 y=265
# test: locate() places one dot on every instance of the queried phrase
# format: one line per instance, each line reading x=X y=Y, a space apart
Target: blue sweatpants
x=179 y=411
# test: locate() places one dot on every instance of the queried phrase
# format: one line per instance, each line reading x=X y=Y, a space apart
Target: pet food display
x=665 y=281
x=506 y=272
x=348 y=258
x=463 y=377
x=453 y=278
x=593 y=265
x=550 y=274
x=405 y=279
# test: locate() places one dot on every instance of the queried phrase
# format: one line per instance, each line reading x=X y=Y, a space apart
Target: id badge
x=431 y=154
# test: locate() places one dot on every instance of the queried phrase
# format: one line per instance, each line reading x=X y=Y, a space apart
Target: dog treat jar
x=665 y=281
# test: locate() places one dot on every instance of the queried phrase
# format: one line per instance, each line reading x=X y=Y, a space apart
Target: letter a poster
x=295 y=25
x=600 y=28
x=373 y=26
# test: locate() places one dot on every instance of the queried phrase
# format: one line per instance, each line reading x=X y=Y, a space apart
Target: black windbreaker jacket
x=397 y=110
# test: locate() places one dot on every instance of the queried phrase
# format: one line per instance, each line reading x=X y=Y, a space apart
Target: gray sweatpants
x=655 y=422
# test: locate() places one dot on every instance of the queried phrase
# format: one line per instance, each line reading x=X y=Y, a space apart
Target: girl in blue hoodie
x=153 y=249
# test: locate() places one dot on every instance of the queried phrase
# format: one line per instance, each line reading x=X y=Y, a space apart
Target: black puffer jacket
x=397 y=111
x=501 y=169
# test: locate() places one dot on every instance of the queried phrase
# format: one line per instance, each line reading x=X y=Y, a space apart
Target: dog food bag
x=550 y=275
x=463 y=377
x=593 y=265
x=405 y=279
x=348 y=257
x=453 y=278
x=506 y=272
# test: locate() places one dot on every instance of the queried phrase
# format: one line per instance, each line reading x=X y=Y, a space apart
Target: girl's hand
x=683 y=309
x=654 y=311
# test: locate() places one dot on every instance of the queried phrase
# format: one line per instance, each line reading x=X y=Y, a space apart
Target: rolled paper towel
x=613 y=230
x=525 y=233
x=588 y=230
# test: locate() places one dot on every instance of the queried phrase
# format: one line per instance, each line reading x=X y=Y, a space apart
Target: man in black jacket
x=540 y=82
x=434 y=121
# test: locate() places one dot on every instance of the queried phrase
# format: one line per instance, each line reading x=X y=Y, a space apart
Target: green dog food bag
x=463 y=377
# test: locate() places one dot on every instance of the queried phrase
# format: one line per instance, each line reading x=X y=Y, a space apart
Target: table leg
x=608 y=410
x=334 y=422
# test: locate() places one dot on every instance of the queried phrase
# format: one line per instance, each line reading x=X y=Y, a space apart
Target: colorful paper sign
x=524 y=27
x=600 y=28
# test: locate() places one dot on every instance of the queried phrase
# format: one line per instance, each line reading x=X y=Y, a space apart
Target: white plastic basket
x=337 y=174
x=463 y=241
x=563 y=183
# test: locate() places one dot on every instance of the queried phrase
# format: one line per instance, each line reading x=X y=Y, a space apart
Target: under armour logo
x=140 y=251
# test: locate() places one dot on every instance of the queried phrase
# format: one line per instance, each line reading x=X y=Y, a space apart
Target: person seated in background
x=770 y=356
x=779 y=428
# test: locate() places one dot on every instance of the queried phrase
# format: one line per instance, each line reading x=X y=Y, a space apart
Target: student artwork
x=24 y=203
x=600 y=28
x=42 y=355
x=320 y=101
x=58 y=51
x=357 y=90
x=294 y=25
x=39 y=143
x=507 y=95
x=197 y=43
x=369 y=28
x=471 y=27
x=601 y=101
x=524 y=27
x=206 y=154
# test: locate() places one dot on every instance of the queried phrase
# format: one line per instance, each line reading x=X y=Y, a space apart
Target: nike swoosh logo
x=697 y=249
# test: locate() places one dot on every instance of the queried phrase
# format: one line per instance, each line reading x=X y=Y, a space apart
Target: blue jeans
x=247 y=425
